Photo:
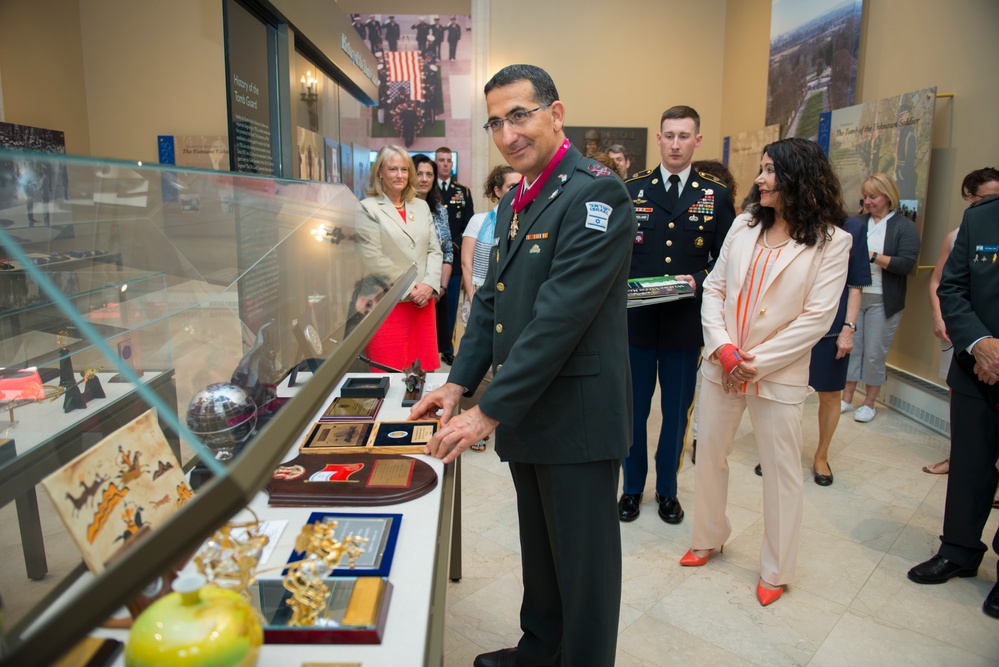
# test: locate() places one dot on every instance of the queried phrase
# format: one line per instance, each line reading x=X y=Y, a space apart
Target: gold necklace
x=773 y=247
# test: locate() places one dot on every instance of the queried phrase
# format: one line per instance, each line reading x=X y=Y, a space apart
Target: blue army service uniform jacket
x=685 y=241
x=551 y=321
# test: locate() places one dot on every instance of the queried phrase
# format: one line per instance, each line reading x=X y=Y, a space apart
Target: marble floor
x=851 y=605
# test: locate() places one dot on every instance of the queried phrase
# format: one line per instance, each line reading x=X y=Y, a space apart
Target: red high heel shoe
x=767 y=596
x=691 y=560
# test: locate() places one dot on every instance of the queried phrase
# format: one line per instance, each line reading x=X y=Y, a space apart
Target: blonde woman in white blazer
x=397 y=231
x=772 y=295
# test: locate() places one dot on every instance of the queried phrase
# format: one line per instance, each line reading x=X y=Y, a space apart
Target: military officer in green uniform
x=683 y=217
x=550 y=321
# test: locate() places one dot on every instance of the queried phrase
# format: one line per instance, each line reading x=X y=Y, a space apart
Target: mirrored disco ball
x=223 y=416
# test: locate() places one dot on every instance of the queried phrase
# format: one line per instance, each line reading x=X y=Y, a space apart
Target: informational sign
x=250 y=49
x=892 y=136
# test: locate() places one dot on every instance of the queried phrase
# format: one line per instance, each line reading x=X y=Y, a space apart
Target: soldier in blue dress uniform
x=683 y=217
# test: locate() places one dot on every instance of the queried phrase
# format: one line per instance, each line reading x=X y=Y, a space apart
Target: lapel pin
x=563 y=177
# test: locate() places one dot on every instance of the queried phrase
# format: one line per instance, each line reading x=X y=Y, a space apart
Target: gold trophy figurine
x=309 y=595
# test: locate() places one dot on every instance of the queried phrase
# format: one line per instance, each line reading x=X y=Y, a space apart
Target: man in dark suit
x=969 y=291
x=438 y=32
x=460 y=209
x=422 y=29
x=683 y=217
x=374 y=34
x=453 y=36
x=550 y=321
x=392 y=34
x=359 y=26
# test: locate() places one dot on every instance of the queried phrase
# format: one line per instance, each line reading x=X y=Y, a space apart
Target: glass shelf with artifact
x=192 y=293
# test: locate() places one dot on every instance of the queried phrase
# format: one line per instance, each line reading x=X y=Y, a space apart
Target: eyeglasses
x=516 y=119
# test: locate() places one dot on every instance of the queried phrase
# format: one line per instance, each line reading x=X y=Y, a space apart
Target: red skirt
x=408 y=333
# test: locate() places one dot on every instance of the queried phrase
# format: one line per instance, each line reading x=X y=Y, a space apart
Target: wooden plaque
x=361 y=480
x=341 y=437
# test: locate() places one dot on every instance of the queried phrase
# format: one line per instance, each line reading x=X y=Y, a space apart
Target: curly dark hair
x=810 y=197
x=495 y=179
x=719 y=171
x=435 y=196
x=977 y=178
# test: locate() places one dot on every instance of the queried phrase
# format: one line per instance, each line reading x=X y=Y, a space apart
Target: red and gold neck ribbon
x=522 y=198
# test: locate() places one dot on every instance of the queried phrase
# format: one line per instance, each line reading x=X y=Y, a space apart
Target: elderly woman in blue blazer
x=893 y=245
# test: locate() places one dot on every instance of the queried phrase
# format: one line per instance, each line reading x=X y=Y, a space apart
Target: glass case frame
x=165 y=228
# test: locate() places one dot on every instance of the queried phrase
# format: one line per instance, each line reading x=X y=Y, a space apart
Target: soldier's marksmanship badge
x=705 y=205
x=599 y=170
x=699 y=242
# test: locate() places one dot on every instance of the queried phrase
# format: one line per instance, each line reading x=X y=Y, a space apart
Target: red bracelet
x=729 y=357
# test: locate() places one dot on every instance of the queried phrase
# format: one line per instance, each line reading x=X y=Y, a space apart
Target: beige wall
x=152 y=68
x=619 y=63
x=744 y=78
x=905 y=45
x=43 y=80
x=950 y=45
x=118 y=74
x=627 y=61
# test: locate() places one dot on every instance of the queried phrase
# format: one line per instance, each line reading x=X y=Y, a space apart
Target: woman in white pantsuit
x=772 y=295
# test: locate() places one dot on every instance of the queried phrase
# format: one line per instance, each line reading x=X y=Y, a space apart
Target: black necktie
x=443 y=186
x=672 y=194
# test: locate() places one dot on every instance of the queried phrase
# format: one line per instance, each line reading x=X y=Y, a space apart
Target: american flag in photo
x=406 y=66
x=396 y=88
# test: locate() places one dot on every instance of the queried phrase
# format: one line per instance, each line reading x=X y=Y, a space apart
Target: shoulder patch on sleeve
x=597 y=215
x=598 y=169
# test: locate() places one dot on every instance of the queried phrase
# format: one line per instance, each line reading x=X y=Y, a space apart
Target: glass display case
x=125 y=288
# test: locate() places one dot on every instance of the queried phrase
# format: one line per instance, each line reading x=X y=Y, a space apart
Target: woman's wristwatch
x=874 y=256
x=852 y=325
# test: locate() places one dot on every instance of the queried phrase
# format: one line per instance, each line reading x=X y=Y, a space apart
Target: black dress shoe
x=938 y=569
x=758 y=469
x=991 y=606
x=505 y=657
x=823 y=480
x=669 y=509
x=448 y=359
x=628 y=507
